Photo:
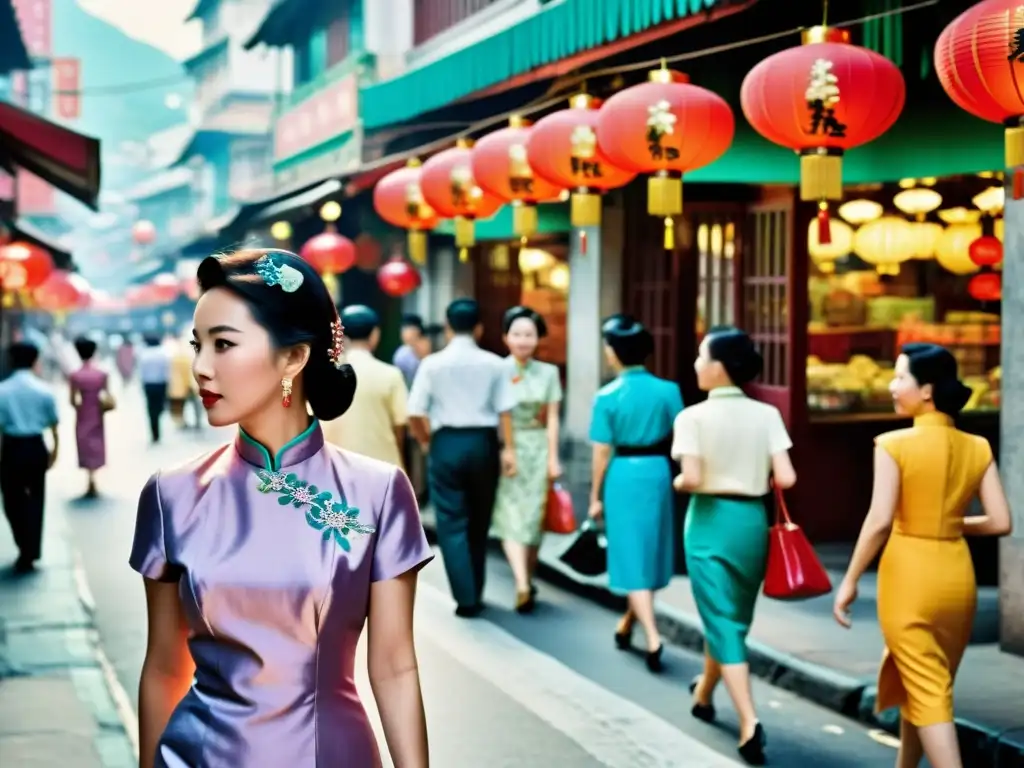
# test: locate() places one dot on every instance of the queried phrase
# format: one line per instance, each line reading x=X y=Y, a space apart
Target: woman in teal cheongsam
x=519 y=507
x=631 y=429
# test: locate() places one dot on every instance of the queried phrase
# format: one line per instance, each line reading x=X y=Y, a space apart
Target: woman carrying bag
x=728 y=446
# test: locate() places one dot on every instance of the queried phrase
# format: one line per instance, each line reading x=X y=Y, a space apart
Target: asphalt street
x=503 y=690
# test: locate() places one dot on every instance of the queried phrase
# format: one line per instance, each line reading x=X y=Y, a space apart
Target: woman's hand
x=678 y=483
x=845 y=597
x=509 y=467
x=554 y=468
x=596 y=511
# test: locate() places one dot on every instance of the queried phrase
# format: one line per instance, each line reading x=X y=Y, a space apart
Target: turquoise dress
x=637 y=409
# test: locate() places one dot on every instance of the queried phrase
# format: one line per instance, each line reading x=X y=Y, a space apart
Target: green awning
x=552 y=219
x=552 y=34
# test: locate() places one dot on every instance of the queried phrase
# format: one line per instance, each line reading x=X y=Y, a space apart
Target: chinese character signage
x=35 y=196
x=34 y=19
x=331 y=112
x=67 y=79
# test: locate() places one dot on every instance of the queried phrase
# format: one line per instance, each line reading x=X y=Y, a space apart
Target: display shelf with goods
x=917 y=261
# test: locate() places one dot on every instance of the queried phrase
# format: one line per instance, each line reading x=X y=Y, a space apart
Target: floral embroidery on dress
x=335 y=518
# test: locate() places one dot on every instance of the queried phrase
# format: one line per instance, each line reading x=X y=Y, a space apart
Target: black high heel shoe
x=752 y=750
x=705 y=712
x=624 y=640
x=653 y=659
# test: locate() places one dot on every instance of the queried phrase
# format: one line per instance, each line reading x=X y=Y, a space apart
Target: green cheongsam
x=519 y=507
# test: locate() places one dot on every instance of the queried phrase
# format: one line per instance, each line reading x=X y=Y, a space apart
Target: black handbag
x=588 y=554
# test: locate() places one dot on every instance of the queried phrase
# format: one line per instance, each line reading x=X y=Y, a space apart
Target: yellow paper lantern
x=885 y=243
x=824 y=256
x=953 y=251
x=860 y=211
x=990 y=201
x=926 y=238
x=960 y=215
x=917 y=202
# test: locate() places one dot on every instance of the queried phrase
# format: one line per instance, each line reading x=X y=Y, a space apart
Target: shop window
x=764 y=290
x=915 y=261
x=716 y=240
x=432 y=17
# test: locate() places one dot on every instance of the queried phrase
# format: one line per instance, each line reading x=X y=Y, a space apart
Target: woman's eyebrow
x=221 y=329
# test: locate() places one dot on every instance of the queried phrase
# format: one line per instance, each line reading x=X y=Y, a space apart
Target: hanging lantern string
x=561 y=87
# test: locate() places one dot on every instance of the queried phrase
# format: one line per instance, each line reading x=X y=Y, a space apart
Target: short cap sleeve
x=554 y=385
x=401 y=543
x=685 y=435
x=149 y=550
x=778 y=436
x=890 y=442
x=601 y=421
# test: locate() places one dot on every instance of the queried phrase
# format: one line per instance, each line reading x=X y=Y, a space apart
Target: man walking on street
x=155 y=373
x=27 y=409
x=415 y=346
x=459 y=398
x=375 y=423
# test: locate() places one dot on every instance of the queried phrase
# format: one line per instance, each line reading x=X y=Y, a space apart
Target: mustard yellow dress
x=926 y=588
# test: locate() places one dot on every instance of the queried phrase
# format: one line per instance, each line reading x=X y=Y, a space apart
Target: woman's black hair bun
x=950 y=396
x=737 y=353
x=329 y=389
x=521 y=312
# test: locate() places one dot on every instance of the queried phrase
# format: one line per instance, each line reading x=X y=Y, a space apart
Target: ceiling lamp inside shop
x=990 y=201
x=859 y=212
x=281 y=231
x=558 y=278
x=926 y=238
x=917 y=202
x=954 y=250
x=824 y=255
x=885 y=243
x=534 y=260
x=960 y=215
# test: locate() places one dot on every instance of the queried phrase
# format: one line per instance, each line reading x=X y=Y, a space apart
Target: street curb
x=981 y=747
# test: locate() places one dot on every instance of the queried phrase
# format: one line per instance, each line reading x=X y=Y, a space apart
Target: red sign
x=324 y=115
x=35 y=196
x=67 y=80
x=6 y=186
x=34 y=17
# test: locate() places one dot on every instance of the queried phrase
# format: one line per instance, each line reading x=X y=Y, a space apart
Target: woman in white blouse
x=727 y=446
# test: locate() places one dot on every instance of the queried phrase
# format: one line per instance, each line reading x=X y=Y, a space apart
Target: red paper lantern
x=34 y=261
x=986 y=251
x=61 y=292
x=665 y=127
x=143 y=232
x=822 y=99
x=501 y=167
x=562 y=148
x=978 y=59
x=398 y=277
x=398 y=199
x=329 y=253
x=988 y=286
x=450 y=189
x=164 y=288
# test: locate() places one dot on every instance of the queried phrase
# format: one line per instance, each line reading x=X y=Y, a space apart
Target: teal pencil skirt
x=726 y=545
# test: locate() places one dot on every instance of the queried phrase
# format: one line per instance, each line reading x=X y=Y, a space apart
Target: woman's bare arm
x=997 y=520
x=394 y=672
x=783 y=474
x=168 y=669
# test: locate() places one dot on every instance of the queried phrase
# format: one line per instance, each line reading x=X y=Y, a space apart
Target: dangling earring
x=286 y=392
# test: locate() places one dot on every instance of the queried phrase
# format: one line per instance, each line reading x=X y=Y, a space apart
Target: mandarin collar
x=726 y=392
x=295 y=451
x=631 y=369
x=933 y=419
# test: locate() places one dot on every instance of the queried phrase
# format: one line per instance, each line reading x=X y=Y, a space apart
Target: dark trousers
x=23 y=465
x=464 y=467
x=156 y=401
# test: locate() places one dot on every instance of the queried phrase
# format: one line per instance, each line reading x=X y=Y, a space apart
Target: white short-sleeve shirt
x=735 y=438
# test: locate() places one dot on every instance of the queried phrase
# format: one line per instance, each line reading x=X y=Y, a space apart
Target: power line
x=124 y=88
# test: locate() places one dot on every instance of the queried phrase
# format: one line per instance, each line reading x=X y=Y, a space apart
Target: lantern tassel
x=1018 y=183
x=465 y=232
x=824 y=224
x=664 y=195
x=463 y=255
x=583 y=242
x=1015 y=157
x=524 y=219
x=821 y=176
x=416 y=242
x=585 y=209
x=670 y=234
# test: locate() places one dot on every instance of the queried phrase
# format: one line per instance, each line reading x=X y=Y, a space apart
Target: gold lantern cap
x=824 y=34
x=464 y=143
x=666 y=75
x=413 y=162
x=517 y=121
x=582 y=101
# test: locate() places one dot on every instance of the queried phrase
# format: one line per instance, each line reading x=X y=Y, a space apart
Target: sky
x=159 y=23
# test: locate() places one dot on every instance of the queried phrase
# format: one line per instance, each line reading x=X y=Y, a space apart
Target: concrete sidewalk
x=799 y=647
x=58 y=705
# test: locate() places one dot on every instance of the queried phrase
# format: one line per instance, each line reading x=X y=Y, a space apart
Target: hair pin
x=337 y=350
x=273 y=273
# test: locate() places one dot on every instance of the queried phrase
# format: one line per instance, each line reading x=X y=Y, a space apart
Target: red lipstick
x=209 y=398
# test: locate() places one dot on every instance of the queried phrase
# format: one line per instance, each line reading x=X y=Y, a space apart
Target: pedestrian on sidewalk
x=925 y=477
x=264 y=559
x=27 y=410
x=519 y=508
x=125 y=358
x=155 y=373
x=727 y=447
x=459 y=398
x=375 y=424
x=631 y=487
x=91 y=399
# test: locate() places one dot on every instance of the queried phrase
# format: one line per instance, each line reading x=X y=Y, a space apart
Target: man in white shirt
x=155 y=373
x=374 y=425
x=459 y=398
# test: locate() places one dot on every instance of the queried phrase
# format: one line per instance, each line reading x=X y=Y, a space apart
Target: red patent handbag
x=794 y=570
x=558 y=513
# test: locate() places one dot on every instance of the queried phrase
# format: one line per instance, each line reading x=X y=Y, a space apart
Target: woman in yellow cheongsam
x=925 y=477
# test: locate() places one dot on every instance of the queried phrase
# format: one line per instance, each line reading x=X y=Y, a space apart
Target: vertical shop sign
x=67 y=79
x=35 y=196
x=34 y=18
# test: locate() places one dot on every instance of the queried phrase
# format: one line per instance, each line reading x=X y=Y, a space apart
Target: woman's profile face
x=908 y=396
x=707 y=369
x=236 y=367
x=522 y=338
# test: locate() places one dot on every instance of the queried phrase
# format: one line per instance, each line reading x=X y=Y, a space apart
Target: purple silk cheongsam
x=274 y=559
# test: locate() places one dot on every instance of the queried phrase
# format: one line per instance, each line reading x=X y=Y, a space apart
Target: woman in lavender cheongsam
x=264 y=559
